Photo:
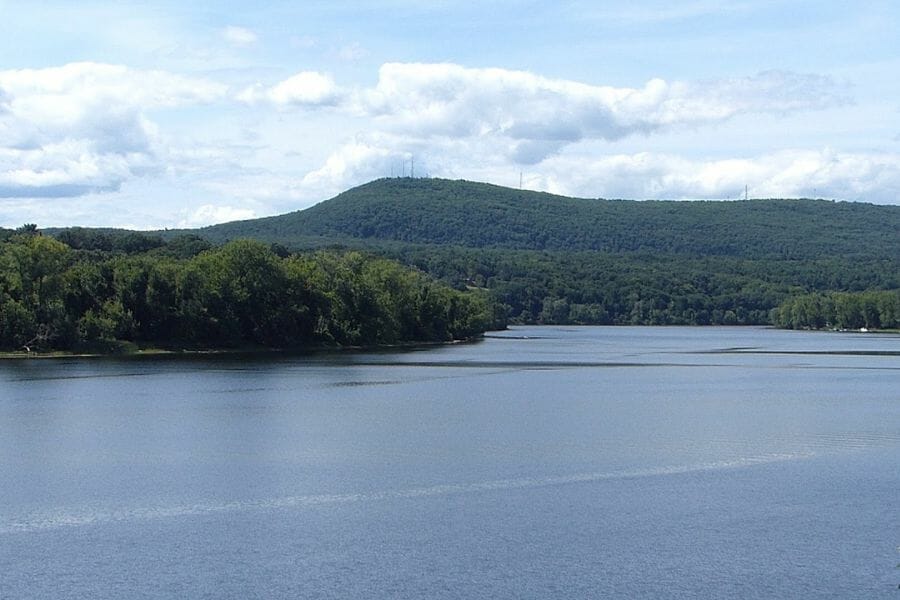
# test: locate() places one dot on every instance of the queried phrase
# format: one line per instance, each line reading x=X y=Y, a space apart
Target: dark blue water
x=539 y=463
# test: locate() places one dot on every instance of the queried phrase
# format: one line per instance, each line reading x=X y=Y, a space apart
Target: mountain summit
x=481 y=215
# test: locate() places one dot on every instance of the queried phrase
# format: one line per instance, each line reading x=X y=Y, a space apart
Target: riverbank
x=301 y=349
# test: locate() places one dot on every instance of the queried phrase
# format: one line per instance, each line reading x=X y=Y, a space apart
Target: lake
x=541 y=462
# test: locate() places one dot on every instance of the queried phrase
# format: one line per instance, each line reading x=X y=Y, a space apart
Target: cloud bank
x=541 y=115
x=447 y=99
x=83 y=127
x=782 y=174
x=872 y=177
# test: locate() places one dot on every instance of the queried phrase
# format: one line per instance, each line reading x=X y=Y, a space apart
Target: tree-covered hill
x=479 y=215
x=553 y=259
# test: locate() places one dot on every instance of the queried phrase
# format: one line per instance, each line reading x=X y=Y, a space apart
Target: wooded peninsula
x=240 y=295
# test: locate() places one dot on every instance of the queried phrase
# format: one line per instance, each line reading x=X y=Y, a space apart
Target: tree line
x=184 y=294
x=592 y=288
x=840 y=310
x=556 y=260
x=185 y=273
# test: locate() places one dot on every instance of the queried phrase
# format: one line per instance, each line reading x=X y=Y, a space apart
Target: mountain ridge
x=554 y=259
x=481 y=215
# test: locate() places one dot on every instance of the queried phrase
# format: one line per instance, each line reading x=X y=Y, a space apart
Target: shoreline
x=310 y=349
x=187 y=352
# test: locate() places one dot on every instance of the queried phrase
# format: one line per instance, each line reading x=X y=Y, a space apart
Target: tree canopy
x=840 y=310
x=479 y=215
x=53 y=296
x=553 y=259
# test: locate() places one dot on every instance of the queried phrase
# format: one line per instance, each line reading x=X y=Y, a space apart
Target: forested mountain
x=479 y=215
x=553 y=259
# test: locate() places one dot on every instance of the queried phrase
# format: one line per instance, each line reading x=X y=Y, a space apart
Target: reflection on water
x=540 y=462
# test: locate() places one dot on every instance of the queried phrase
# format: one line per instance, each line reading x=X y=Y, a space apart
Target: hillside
x=553 y=259
x=479 y=215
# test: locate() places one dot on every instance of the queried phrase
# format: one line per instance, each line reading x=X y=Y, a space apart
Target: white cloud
x=538 y=116
x=67 y=168
x=261 y=188
x=87 y=128
x=67 y=91
x=238 y=36
x=210 y=214
x=356 y=161
x=782 y=174
x=83 y=127
x=307 y=88
x=866 y=177
x=447 y=99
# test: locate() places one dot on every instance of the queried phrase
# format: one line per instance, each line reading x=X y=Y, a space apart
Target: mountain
x=480 y=215
x=554 y=259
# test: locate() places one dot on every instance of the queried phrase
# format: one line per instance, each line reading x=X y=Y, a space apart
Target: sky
x=168 y=114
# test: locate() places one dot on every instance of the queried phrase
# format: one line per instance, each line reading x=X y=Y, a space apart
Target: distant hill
x=480 y=215
x=553 y=259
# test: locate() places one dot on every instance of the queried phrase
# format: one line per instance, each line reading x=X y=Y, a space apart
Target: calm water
x=539 y=463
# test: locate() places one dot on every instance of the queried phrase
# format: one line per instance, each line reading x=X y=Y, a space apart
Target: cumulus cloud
x=67 y=168
x=448 y=99
x=210 y=214
x=238 y=36
x=540 y=116
x=782 y=174
x=68 y=91
x=353 y=162
x=83 y=127
x=489 y=124
x=307 y=88
x=866 y=177
x=87 y=127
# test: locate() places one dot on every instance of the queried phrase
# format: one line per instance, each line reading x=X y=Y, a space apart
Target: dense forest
x=558 y=260
x=840 y=310
x=117 y=291
x=479 y=215
x=552 y=259
x=592 y=288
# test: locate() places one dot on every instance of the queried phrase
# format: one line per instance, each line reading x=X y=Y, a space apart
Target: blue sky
x=159 y=114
